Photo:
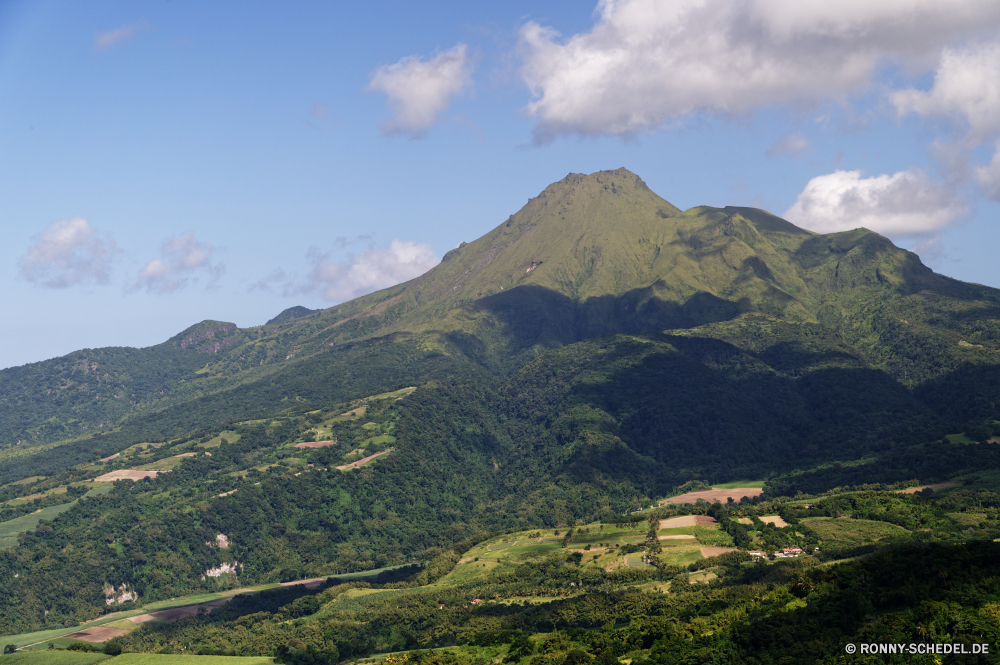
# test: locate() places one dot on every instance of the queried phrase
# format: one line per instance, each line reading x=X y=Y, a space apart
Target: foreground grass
x=52 y=657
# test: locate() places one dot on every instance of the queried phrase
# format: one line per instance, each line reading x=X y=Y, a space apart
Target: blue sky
x=173 y=161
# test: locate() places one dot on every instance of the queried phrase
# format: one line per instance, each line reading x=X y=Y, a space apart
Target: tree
x=112 y=648
x=10 y=648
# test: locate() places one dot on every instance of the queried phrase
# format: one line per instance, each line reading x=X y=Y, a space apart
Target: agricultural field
x=720 y=494
x=10 y=528
x=52 y=657
x=849 y=531
x=759 y=484
x=169 y=659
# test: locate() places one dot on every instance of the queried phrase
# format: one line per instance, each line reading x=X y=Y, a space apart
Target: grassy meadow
x=849 y=531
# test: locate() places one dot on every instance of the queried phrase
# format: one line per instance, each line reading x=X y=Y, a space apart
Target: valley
x=606 y=430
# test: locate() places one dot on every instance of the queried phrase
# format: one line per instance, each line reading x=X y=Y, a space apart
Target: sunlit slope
x=591 y=255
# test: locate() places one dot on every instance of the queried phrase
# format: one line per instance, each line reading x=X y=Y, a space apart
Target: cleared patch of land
x=126 y=474
x=362 y=461
x=775 y=520
x=97 y=634
x=679 y=537
x=309 y=584
x=914 y=490
x=315 y=444
x=177 y=612
x=687 y=520
x=720 y=494
x=715 y=551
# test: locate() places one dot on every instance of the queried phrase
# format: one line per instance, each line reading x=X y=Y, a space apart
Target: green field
x=10 y=528
x=739 y=483
x=163 y=659
x=41 y=639
x=847 y=531
x=53 y=657
x=365 y=574
x=680 y=556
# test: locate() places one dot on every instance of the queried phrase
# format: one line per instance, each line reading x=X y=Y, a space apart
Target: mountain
x=596 y=351
x=292 y=313
x=590 y=256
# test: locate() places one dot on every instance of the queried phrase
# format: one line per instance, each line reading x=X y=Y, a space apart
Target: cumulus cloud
x=793 y=144
x=966 y=88
x=103 y=40
x=67 y=253
x=648 y=62
x=907 y=203
x=181 y=260
x=373 y=269
x=420 y=90
x=989 y=176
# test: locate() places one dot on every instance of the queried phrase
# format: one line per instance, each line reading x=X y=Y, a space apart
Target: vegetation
x=531 y=399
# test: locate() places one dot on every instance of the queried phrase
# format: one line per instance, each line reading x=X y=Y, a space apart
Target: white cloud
x=793 y=144
x=907 y=203
x=373 y=269
x=180 y=258
x=647 y=62
x=989 y=176
x=966 y=87
x=108 y=38
x=68 y=253
x=419 y=91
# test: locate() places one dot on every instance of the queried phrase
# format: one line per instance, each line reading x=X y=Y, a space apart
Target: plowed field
x=715 y=494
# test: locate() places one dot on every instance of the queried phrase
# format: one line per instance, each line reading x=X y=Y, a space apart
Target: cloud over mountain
x=373 y=269
x=420 y=90
x=67 y=253
x=646 y=63
x=903 y=204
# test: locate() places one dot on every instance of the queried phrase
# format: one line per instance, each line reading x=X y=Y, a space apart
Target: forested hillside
x=591 y=355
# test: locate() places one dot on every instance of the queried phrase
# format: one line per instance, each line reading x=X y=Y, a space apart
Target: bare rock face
x=119 y=596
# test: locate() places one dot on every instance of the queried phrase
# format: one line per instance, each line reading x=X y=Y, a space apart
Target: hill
x=595 y=352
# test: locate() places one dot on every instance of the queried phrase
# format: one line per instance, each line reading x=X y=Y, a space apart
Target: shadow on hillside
x=702 y=407
x=537 y=316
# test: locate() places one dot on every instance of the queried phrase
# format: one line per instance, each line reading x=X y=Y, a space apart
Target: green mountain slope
x=590 y=256
x=586 y=357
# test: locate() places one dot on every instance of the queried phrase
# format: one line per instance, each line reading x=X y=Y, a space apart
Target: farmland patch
x=848 y=531
x=687 y=521
x=361 y=462
x=126 y=474
x=914 y=490
x=52 y=658
x=720 y=494
x=315 y=444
